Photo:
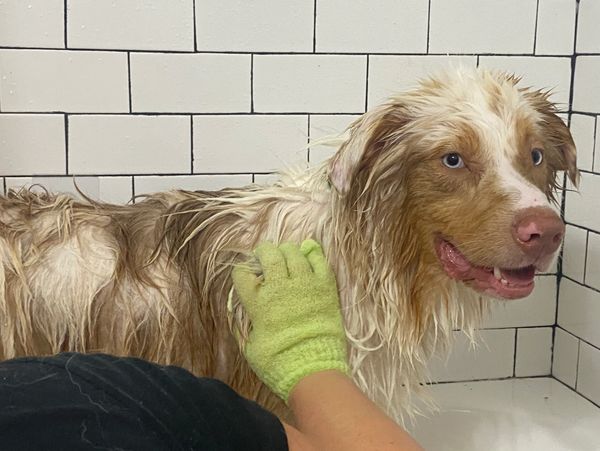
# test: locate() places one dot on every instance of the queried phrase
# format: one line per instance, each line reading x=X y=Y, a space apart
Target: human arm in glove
x=297 y=347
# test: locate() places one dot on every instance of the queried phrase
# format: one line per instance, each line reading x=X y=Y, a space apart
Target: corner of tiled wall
x=576 y=360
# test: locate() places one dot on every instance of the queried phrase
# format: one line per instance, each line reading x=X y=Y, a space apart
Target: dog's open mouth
x=506 y=283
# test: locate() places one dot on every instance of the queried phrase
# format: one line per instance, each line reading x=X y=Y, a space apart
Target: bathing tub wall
x=136 y=96
x=577 y=336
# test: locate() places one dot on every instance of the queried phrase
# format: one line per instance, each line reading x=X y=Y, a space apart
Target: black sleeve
x=76 y=402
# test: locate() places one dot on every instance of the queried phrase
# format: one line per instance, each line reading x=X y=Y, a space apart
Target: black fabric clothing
x=82 y=402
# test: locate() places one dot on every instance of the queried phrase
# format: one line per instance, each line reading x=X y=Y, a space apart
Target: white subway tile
x=389 y=75
x=581 y=207
x=586 y=90
x=538 y=309
x=588 y=32
x=363 y=26
x=588 y=376
x=579 y=310
x=247 y=143
x=155 y=184
x=115 y=190
x=256 y=26
x=31 y=23
x=178 y=83
x=492 y=358
x=107 y=189
x=32 y=144
x=566 y=350
x=131 y=24
x=325 y=127
x=49 y=80
x=596 y=165
x=574 y=249
x=583 y=129
x=129 y=144
x=592 y=272
x=555 y=27
x=539 y=72
x=534 y=352
x=265 y=179
x=309 y=83
x=475 y=26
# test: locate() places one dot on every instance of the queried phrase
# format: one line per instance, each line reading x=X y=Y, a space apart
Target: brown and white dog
x=434 y=202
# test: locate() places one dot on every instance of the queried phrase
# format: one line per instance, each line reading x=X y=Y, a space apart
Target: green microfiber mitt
x=296 y=322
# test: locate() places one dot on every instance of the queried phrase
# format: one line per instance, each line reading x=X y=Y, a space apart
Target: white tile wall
x=475 y=26
x=577 y=209
x=54 y=80
x=107 y=189
x=583 y=129
x=566 y=354
x=153 y=184
x=392 y=74
x=597 y=147
x=213 y=83
x=579 y=310
x=586 y=88
x=258 y=26
x=131 y=24
x=23 y=152
x=534 y=352
x=129 y=144
x=588 y=32
x=589 y=369
x=538 y=309
x=492 y=358
x=555 y=27
x=32 y=23
x=541 y=72
x=261 y=143
x=201 y=94
x=592 y=273
x=363 y=26
x=309 y=83
x=325 y=127
x=575 y=247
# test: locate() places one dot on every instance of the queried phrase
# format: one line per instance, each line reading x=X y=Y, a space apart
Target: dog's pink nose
x=538 y=231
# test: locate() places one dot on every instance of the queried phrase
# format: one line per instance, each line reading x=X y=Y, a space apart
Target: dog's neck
x=397 y=304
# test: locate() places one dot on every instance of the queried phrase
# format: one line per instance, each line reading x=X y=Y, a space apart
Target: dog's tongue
x=513 y=283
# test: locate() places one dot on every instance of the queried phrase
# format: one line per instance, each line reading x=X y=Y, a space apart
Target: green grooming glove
x=296 y=322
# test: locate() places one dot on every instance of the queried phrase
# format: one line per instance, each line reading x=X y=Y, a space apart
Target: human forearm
x=333 y=414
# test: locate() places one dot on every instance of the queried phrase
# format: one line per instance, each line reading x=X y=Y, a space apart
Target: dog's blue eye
x=453 y=161
x=537 y=156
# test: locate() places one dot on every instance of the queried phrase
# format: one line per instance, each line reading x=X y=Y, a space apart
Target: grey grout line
x=66 y=119
x=293 y=53
x=535 y=28
x=367 y=84
x=429 y=26
x=314 y=43
x=515 y=354
x=252 y=83
x=65 y=25
x=191 y=144
x=194 y=19
x=129 y=82
x=579 y=338
x=577 y=366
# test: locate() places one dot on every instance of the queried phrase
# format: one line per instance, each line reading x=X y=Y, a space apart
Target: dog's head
x=466 y=166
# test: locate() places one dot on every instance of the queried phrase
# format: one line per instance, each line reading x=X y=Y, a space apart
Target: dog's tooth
x=497 y=273
x=504 y=282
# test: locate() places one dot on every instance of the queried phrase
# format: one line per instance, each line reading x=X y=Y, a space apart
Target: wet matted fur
x=152 y=279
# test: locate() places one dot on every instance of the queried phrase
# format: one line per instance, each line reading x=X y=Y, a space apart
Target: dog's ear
x=368 y=138
x=557 y=133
